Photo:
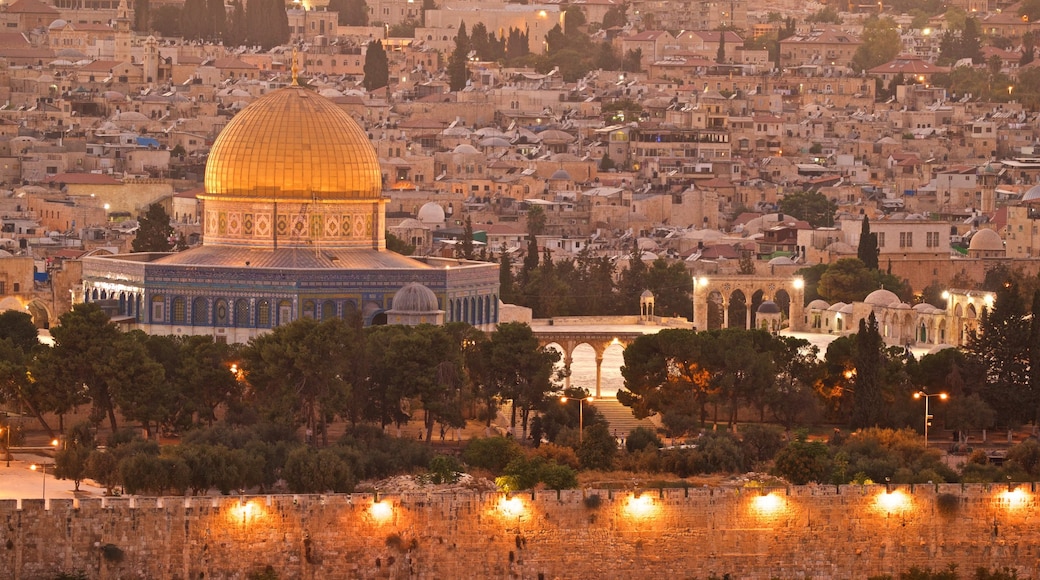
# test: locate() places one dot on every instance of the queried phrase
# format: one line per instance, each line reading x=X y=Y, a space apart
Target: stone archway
x=40 y=313
x=748 y=286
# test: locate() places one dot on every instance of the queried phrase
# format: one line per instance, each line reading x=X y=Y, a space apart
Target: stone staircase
x=619 y=417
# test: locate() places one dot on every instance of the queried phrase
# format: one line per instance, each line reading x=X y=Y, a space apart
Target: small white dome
x=414 y=298
x=818 y=305
x=431 y=213
x=986 y=241
x=465 y=149
x=1032 y=194
x=882 y=298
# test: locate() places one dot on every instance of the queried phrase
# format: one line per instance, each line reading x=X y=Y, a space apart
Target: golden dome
x=293 y=144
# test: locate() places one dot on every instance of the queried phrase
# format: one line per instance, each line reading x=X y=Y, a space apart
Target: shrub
x=444 y=469
x=558 y=453
x=310 y=471
x=761 y=442
x=641 y=438
x=556 y=476
x=491 y=453
x=598 y=447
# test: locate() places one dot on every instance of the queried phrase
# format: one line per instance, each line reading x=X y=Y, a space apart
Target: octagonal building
x=294 y=222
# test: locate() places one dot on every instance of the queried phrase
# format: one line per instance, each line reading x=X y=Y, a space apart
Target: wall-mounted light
x=640 y=506
x=381 y=511
x=511 y=506
x=767 y=503
x=893 y=501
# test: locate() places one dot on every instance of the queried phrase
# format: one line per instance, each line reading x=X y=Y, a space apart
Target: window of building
x=200 y=311
x=881 y=239
x=263 y=314
x=158 y=309
x=180 y=310
x=906 y=239
x=242 y=313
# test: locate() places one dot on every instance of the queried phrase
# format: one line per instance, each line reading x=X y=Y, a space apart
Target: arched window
x=180 y=310
x=242 y=313
x=328 y=310
x=263 y=314
x=200 y=312
x=284 y=311
x=221 y=315
x=308 y=309
x=158 y=308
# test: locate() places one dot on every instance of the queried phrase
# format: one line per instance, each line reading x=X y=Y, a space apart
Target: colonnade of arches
x=476 y=310
x=270 y=312
x=570 y=343
x=734 y=310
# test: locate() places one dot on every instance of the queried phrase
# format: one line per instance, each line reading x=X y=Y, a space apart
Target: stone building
x=294 y=226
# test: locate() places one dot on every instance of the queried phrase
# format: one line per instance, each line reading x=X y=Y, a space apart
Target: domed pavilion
x=294 y=226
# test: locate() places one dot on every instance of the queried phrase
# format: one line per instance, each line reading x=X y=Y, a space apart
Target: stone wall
x=800 y=532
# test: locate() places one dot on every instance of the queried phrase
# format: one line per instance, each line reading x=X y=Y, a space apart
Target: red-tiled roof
x=31 y=7
x=83 y=179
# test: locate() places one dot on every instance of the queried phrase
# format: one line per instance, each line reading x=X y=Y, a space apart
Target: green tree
x=1001 y=349
x=298 y=373
x=811 y=206
x=396 y=244
x=826 y=15
x=720 y=54
x=377 y=67
x=458 y=73
x=867 y=402
x=466 y=247
x=521 y=370
x=803 y=461
x=193 y=19
x=881 y=43
x=142 y=16
x=268 y=23
x=236 y=34
x=136 y=383
x=615 y=16
x=867 y=250
x=664 y=373
x=70 y=461
x=633 y=60
x=309 y=470
x=84 y=342
x=847 y=280
x=351 y=12
x=166 y=20
x=155 y=231
x=216 y=19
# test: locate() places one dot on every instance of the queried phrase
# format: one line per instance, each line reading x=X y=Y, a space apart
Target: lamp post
x=927 y=417
x=581 y=414
x=7 y=448
x=41 y=467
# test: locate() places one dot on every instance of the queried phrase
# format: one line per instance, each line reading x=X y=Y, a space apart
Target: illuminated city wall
x=812 y=531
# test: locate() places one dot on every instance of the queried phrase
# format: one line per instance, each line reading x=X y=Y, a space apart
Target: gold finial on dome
x=294 y=68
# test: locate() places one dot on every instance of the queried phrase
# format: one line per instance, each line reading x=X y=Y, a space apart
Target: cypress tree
x=505 y=276
x=867 y=401
x=458 y=74
x=867 y=251
x=377 y=67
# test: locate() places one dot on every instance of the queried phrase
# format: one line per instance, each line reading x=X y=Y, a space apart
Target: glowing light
x=926 y=31
x=245 y=512
x=702 y=281
x=511 y=506
x=1015 y=498
x=381 y=511
x=641 y=506
x=615 y=342
x=946 y=295
x=542 y=14
x=988 y=300
x=768 y=504
x=895 y=501
x=799 y=283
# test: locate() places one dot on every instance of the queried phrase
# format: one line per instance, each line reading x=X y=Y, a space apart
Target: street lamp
x=41 y=467
x=7 y=448
x=581 y=414
x=927 y=417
